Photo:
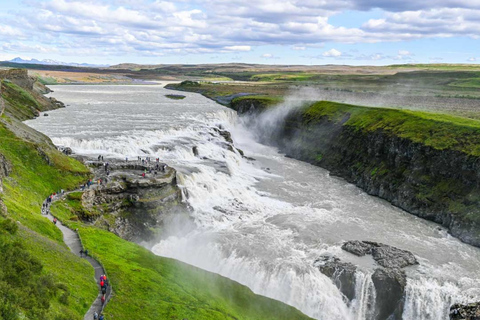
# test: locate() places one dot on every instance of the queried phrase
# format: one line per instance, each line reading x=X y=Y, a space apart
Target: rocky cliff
x=23 y=95
x=426 y=164
x=128 y=204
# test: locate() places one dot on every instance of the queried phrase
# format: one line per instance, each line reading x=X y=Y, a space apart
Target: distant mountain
x=50 y=62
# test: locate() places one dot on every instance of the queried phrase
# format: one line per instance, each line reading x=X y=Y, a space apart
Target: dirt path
x=72 y=240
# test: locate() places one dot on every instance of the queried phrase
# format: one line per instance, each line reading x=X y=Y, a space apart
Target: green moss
x=439 y=131
x=261 y=101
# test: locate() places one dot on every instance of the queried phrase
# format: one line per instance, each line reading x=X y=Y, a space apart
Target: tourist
x=85 y=252
x=101 y=316
x=81 y=253
x=54 y=220
x=95 y=316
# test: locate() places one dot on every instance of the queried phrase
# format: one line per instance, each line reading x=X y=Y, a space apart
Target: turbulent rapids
x=264 y=219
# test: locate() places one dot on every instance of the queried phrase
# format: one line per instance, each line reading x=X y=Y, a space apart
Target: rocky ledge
x=385 y=255
x=465 y=312
x=389 y=280
x=132 y=199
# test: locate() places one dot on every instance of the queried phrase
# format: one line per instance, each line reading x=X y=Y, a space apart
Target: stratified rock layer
x=130 y=205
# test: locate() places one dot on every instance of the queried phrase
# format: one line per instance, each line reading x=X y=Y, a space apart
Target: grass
x=439 y=131
x=33 y=179
x=148 y=286
x=19 y=101
x=261 y=101
x=37 y=170
x=283 y=77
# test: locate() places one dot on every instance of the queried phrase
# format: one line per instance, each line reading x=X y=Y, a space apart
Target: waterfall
x=261 y=220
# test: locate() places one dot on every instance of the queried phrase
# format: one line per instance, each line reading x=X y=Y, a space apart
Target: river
x=261 y=221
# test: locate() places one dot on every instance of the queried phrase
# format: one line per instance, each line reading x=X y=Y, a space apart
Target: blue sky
x=353 y=32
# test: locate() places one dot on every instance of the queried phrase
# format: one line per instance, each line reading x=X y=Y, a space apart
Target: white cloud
x=332 y=53
x=472 y=59
x=211 y=26
x=9 y=31
x=404 y=53
x=267 y=56
x=238 y=48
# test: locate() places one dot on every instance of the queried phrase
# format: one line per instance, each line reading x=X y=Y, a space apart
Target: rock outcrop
x=465 y=312
x=128 y=204
x=390 y=293
x=389 y=280
x=342 y=274
x=5 y=170
x=385 y=255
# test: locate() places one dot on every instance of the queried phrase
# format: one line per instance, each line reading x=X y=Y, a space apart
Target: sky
x=284 y=32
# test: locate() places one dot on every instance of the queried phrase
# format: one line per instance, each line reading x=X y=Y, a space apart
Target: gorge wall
x=428 y=165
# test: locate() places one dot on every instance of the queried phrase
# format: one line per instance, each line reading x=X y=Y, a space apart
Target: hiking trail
x=72 y=240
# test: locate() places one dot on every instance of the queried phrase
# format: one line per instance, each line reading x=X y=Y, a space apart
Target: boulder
x=342 y=274
x=225 y=134
x=465 y=312
x=385 y=255
x=390 y=293
x=195 y=151
x=68 y=151
x=358 y=248
x=391 y=257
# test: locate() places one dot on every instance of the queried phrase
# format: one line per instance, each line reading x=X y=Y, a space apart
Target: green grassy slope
x=150 y=287
x=36 y=170
x=436 y=130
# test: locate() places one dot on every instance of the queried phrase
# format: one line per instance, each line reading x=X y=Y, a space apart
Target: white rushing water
x=261 y=222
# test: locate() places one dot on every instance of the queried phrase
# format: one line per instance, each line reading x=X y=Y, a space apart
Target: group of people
x=158 y=167
x=103 y=287
x=48 y=201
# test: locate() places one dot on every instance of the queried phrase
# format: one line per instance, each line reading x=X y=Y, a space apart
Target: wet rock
x=195 y=151
x=465 y=312
x=66 y=150
x=390 y=293
x=391 y=257
x=56 y=103
x=341 y=273
x=225 y=134
x=358 y=248
x=385 y=255
x=45 y=114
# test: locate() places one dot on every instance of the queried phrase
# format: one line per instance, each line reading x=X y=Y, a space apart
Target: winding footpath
x=72 y=240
